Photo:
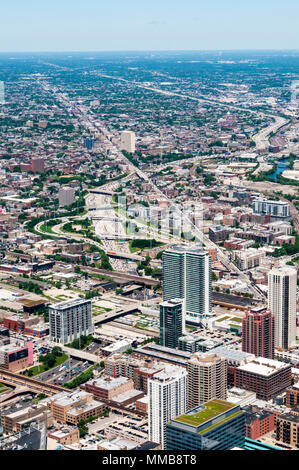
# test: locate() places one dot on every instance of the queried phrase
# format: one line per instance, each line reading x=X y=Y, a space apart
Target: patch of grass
x=234 y=415
x=4 y=388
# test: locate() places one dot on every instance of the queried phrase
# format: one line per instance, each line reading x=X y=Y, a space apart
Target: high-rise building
x=88 y=143
x=38 y=165
x=187 y=275
x=66 y=196
x=287 y=429
x=207 y=379
x=171 y=322
x=15 y=358
x=273 y=208
x=128 y=141
x=266 y=377
x=282 y=284
x=215 y=425
x=167 y=399
x=70 y=320
x=258 y=332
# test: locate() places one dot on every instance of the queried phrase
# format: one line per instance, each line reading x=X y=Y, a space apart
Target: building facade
x=187 y=275
x=273 y=208
x=215 y=425
x=265 y=377
x=282 y=285
x=66 y=196
x=207 y=379
x=128 y=141
x=258 y=332
x=70 y=320
x=287 y=429
x=16 y=358
x=167 y=392
x=171 y=322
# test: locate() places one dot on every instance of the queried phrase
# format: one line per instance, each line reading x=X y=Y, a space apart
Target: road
x=261 y=138
x=86 y=121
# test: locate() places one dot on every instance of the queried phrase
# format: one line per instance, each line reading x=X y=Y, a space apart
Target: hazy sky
x=105 y=25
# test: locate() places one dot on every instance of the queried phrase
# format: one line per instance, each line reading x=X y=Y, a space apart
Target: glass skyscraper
x=187 y=275
x=215 y=425
x=171 y=322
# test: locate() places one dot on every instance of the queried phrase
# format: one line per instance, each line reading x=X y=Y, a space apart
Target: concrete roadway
x=86 y=120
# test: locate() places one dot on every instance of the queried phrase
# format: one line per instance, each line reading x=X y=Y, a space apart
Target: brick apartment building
x=292 y=396
x=107 y=388
x=287 y=429
x=72 y=408
x=259 y=423
x=258 y=332
x=265 y=377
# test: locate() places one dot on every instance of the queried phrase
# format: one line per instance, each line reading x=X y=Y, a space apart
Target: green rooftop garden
x=234 y=415
x=212 y=409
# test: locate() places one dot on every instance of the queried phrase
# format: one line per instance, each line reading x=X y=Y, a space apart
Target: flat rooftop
x=263 y=366
x=130 y=394
x=69 y=304
x=107 y=382
x=233 y=355
x=171 y=303
x=205 y=412
x=187 y=249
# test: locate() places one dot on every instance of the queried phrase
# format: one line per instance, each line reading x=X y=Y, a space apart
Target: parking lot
x=118 y=424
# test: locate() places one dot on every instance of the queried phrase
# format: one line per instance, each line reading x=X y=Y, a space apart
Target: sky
x=148 y=25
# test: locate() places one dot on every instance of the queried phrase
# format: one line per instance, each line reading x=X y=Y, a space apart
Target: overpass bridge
x=117 y=275
x=29 y=383
x=127 y=256
x=9 y=397
x=108 y=317
x=102 y=191
x=82 y=355
x=101 y=208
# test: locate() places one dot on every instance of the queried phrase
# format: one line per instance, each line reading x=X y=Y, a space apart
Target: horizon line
x=146 y=51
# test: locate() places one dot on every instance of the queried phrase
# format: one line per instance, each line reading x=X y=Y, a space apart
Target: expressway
x=260 y=139
x=29 y=382
x=144 y=281
x=86 y=121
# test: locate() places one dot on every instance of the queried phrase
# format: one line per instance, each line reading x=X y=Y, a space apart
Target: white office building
x=70 y=320
x=274 y=208
x=187 y=274
x=282 y=284
x=167 y=392
x=66 y=196
x=128 y=141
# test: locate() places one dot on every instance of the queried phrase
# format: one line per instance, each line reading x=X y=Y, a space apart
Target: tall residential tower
x=70 y=320
x=128 y=141
x=187 y=275
x=207 y=378
x=167 y=392
x=171 y=322
x=258 y=332
x=282 y=284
